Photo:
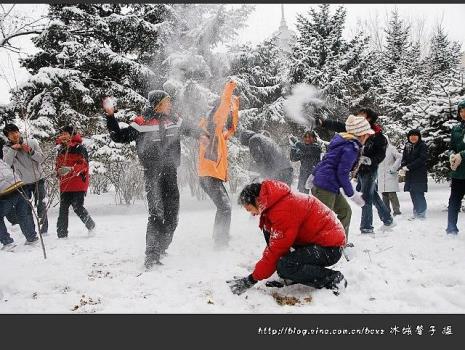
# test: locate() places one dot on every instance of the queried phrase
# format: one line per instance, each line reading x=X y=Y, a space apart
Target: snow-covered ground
x=415 y=268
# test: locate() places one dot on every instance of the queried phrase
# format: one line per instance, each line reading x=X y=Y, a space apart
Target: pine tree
x=258 y=71
x=89 y=51
x=397 y=41
x=402 y=80
x=323 y=58
x=444 y=56
x=436 y=112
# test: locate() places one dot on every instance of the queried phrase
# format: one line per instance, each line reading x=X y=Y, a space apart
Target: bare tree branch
x=5 y=40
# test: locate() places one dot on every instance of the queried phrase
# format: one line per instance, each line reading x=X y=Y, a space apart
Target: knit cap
x=358 y=126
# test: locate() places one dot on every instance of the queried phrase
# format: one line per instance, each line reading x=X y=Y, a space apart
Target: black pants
x=457 y=192
x=76 y=200
x=307 y=265
x=217 y=192
x=38 y=190
x=161 y=185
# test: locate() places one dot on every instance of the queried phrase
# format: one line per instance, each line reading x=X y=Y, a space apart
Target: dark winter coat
x=457 y=145
x=309 y=155
x=2 y=143
x=158 y=140
x=293 y=219
x=374 y=148
x=268 y=158
x=76 y=157
x=414 y=158
x=333 y=172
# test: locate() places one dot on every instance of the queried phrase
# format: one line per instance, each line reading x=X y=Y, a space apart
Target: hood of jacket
x=271 y=192
x=341 y=139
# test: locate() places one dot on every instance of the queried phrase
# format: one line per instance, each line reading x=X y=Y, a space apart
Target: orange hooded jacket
x=213 y=159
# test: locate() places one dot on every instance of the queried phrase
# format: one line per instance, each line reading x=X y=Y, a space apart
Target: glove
x=455 y=161
x=357 y=199
x=64 y=170
x=365 y=160
x=404 y=168
x=309 y=182
x=293 y=140
x=239 y=285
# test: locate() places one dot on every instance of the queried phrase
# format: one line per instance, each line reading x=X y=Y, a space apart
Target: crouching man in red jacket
x=303 y=237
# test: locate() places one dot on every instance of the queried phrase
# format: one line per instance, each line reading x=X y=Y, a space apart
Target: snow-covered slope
x=415 y=268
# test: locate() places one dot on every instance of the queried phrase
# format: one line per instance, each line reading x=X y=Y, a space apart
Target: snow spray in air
x=301 y=104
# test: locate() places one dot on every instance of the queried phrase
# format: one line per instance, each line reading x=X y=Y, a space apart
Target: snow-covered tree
x=401 y=77
x=323 y=58
x=195 y=73
x=259 y=72
x=444 y=56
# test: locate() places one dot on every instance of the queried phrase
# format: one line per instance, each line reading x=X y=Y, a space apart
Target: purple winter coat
x=333 y=172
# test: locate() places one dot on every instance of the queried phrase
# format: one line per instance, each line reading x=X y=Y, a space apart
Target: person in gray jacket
x=25 y=156
x=269 y=161
x=13 y=198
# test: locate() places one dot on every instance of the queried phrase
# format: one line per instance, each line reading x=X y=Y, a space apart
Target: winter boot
x=91 y=232
x=280 y=284
x=151 y=261
x=9 y=247
x=32 y=241
x=338 y=284
x=389 y=227
x=368 y=231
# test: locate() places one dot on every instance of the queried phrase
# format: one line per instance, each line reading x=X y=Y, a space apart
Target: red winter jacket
x=75 y=156
x=293 y=219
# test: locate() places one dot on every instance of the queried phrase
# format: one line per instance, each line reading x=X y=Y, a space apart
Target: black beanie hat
x=69 y=129
x=156 y=96
x=154 y=99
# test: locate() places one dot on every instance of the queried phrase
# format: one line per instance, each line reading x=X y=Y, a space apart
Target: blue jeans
x=419 y=203
x=16 y=201
x=367 y=184
x=38 y=189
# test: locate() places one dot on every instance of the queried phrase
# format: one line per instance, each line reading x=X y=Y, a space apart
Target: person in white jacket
x=388 y=178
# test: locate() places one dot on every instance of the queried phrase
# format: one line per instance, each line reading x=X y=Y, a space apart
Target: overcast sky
x=266 y=19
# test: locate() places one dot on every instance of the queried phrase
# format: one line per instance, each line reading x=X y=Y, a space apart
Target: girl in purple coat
x=333 y=172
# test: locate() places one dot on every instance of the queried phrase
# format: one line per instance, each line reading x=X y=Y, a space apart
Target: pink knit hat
x=358 y=126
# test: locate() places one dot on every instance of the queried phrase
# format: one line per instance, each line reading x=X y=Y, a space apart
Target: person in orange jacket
x=213 y=160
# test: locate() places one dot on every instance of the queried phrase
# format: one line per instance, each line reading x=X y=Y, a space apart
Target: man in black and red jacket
x=157 y=134
x=72 y=167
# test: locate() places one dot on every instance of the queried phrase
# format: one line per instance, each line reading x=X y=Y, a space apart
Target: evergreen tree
x=397 y=42
x=402 y=79
x=323 y=58
x=259 y=74
x=444 y=56
x=89 y=51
